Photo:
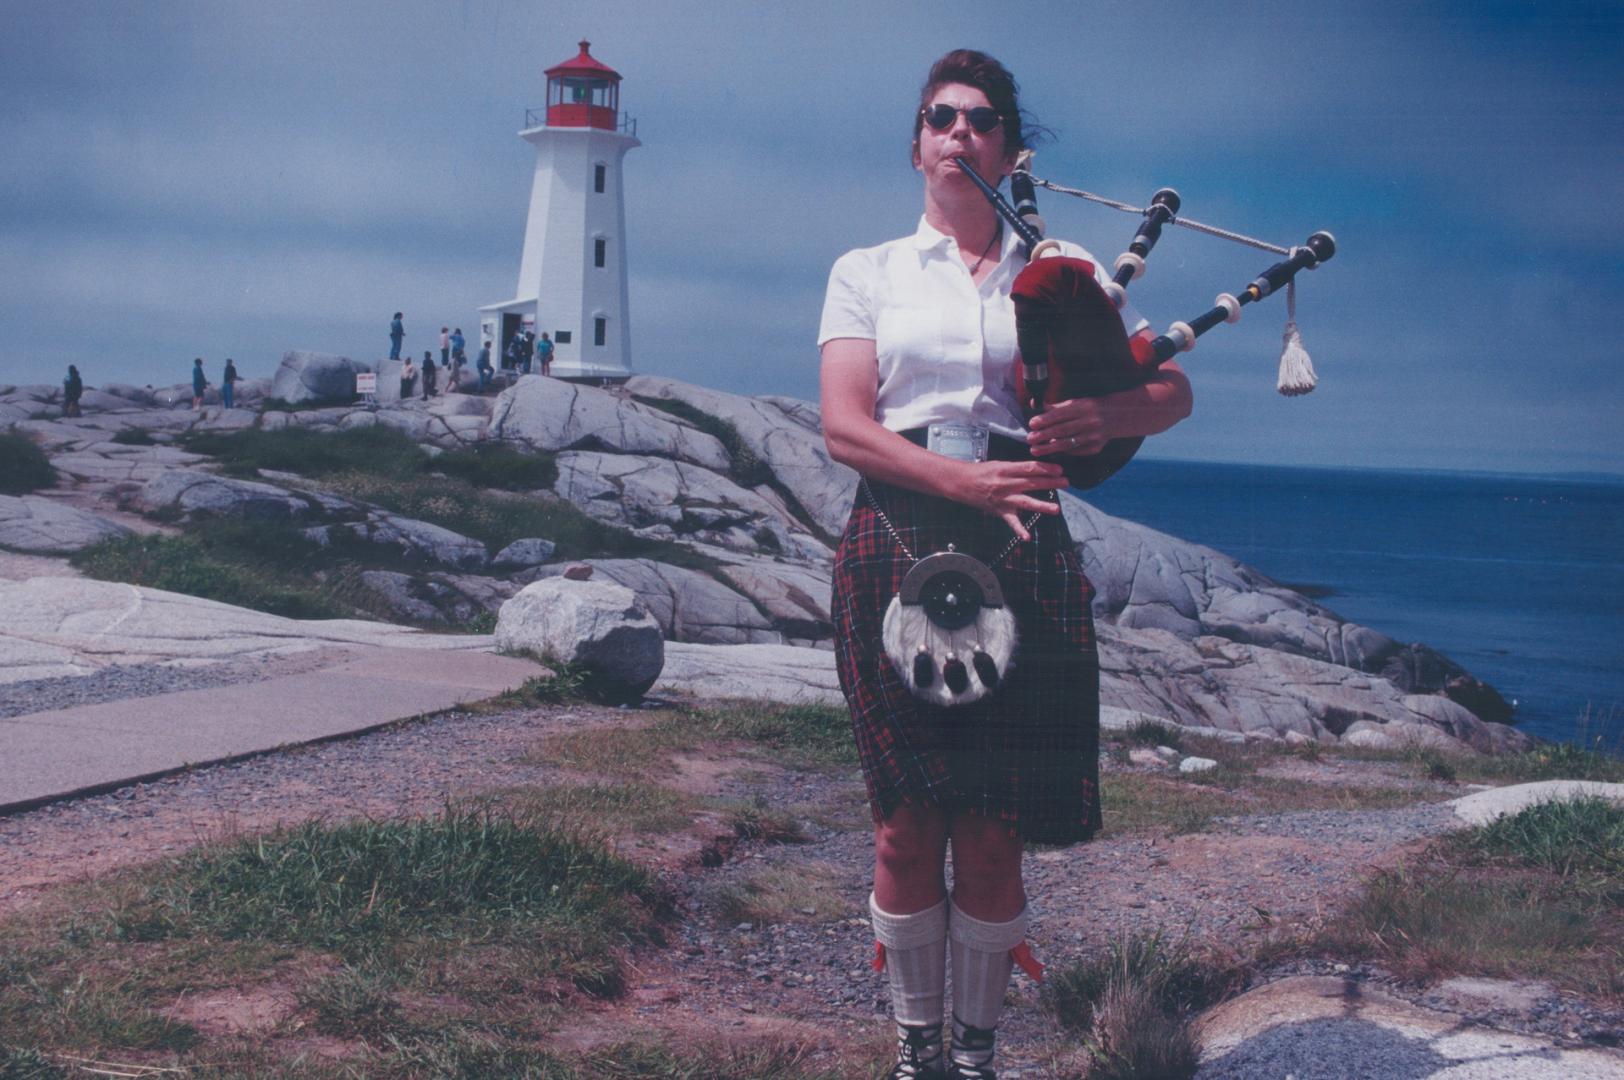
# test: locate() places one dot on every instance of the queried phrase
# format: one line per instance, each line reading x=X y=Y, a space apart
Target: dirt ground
x=807 y=968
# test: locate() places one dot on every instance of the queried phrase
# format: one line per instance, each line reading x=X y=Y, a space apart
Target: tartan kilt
x=1028 y=753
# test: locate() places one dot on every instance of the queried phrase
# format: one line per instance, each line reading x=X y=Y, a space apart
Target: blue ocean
x=1518 y=578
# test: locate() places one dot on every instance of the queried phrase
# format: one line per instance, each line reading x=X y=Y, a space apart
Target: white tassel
x=1296 y=369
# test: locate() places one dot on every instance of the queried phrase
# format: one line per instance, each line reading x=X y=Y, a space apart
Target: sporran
x=948 y=632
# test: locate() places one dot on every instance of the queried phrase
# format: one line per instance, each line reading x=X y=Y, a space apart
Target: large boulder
x=688 y=605
x=753 y=672
x=785 y=434
x=413 y=540
x=187 y=492
x=596 y=626
x=1234 y=686
x=46 y=527
x=548 y=414
x=635 y=491
x=316 y=378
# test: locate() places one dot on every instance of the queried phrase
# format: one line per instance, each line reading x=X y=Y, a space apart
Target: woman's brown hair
x=977 y=69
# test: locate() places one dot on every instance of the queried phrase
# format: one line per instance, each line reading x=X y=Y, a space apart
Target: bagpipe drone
x=1069 y=329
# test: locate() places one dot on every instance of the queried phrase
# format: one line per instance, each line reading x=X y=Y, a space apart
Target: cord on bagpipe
x=1069 y=328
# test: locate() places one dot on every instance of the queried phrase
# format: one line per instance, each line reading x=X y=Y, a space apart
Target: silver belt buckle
x=966 y=442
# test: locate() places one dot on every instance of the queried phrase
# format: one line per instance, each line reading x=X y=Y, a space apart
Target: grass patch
x=215 y=566
x=132 y=436
x=1136 y=803
x=498 y=465
x=744 y=468
x=23 y=466
x=1537 y=895
x=799 y=736
x=1154 y=733
x=27 y=1063
x=378 y=450
x=566 y=684
x=612 y=808
x=386 y=467
x=1132 y=1006
x=758 y=821
x=804 y=892
x=1570 y=838
x=557 y=902
x=354 y=1001
x=52 y=1005
x=1596 y=754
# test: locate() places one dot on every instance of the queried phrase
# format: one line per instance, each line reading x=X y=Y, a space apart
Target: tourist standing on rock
x=527 y=351
x=73 y=388
x=445 y=346
x=1021 y=763
x=429 y=377
x=484 y=366
x=459 y=355
x=228 y=384
x=408 y=376
x=200 y=383
x=510 y=356
x=397 y=334
x=544 y=351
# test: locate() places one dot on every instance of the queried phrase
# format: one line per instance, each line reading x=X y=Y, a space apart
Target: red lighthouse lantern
x=583 y=93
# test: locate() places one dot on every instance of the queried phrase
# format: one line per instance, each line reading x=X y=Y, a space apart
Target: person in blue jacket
x=397 y=333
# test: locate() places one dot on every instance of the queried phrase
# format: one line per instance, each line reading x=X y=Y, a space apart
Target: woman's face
x=937 y=149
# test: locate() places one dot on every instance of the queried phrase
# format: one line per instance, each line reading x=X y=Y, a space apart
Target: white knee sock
x=981 y=969
x=916 y=962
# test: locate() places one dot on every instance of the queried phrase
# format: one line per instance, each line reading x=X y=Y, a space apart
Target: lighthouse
x=572 y=273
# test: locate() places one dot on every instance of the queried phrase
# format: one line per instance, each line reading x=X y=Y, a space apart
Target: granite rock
x=45 y=527
x=597 y=626
x=309 y=377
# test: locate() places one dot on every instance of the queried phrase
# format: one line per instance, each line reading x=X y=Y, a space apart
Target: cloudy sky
x=233 y=178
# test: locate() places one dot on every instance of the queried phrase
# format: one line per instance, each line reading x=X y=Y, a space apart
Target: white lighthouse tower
x=572 y=274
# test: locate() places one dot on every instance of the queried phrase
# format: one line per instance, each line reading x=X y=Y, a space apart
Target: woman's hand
x=1003 y=488
x=1075 y=428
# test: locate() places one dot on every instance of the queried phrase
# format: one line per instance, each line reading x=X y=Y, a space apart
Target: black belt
x=999 y=447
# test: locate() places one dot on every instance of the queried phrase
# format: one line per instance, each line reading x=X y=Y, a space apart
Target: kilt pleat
x=1028 y=753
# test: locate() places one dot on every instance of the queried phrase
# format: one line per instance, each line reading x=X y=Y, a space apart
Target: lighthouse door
x=510 y=329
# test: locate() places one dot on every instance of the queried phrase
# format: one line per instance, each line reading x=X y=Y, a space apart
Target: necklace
x=996 y=233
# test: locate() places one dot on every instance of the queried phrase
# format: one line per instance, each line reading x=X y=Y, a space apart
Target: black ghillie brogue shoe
x=919 y=1054
x=970 y=1057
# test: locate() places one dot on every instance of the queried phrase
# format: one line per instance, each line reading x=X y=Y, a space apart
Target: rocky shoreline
x=744 y=489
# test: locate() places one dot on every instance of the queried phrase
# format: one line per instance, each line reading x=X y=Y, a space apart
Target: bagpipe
x=1069 y=327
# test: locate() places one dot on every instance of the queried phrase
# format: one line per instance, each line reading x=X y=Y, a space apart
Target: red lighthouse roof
x=584 y=63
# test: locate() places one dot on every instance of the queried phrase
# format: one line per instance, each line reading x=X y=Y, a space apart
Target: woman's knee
x=911 y=840
x=985 y=849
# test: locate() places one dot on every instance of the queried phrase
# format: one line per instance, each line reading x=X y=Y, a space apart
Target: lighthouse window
x=600 y=326
x=600 y=251
x=561 y=337
x=600 y=173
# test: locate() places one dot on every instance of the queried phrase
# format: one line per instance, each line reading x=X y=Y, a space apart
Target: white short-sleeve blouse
x=945 y=345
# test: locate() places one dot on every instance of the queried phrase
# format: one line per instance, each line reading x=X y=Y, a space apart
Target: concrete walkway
x=51 y=755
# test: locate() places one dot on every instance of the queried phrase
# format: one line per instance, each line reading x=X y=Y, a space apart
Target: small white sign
x=366 y=382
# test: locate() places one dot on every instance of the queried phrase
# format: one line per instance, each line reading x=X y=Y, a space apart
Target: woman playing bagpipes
x=974 y=686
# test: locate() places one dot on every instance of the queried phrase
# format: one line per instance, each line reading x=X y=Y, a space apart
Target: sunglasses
x=983 y=118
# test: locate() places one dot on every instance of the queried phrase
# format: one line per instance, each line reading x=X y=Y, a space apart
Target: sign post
x=366 y=384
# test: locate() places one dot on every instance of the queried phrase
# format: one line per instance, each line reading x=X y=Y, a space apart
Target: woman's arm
x=1092 y=422
x=850 y=384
